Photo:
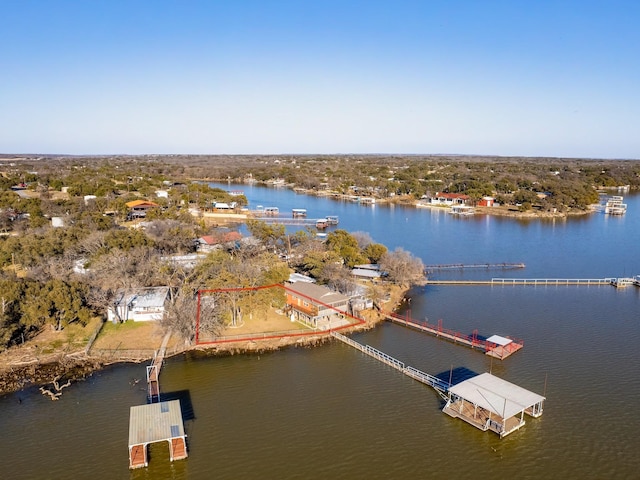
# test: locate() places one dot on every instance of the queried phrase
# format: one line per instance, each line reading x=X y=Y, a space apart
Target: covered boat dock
x=490 y=403
x=156 y=422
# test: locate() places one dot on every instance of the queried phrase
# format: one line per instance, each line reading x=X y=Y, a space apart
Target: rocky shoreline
x=79 y=366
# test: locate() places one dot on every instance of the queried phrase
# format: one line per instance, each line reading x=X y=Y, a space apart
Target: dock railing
x=439 y=385
x=552 y=281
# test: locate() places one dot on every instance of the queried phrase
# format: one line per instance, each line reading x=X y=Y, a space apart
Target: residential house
x=144 y=304
x=448 y=199
x=316 y=306
x=138 y=208
x=217 y=241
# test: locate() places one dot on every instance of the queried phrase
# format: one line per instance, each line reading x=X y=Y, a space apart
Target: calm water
x=330 y=412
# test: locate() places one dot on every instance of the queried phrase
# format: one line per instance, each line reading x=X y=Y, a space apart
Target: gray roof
x=151 y=297
x=365 y=273
x=155 y=422
x=496 y=395
x=318 y=293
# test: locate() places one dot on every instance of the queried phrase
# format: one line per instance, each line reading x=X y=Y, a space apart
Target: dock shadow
x=186 y=406
x=457 y=375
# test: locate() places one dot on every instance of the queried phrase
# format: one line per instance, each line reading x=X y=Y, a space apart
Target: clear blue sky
x=511 y=77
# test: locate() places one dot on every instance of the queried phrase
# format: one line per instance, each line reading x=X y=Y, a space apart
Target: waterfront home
x=315 y=305
x=448 y=199
x=139 y=305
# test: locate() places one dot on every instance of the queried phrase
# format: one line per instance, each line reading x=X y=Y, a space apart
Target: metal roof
x=498 y=340
x=155 y=422
x=496 y=395
x=318 y=293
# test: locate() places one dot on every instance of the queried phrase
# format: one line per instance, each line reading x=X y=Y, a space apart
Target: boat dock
x=484 y=401
x=157 y=421
x=494 y=346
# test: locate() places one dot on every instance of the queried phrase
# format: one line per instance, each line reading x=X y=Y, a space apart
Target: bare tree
x=402 y=267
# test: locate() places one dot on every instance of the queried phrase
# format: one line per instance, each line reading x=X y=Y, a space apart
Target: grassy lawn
x=129 y=336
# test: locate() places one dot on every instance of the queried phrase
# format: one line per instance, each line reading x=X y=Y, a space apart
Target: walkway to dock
x=616 y=282
x=439 y=385
x=494 y=346
x=462 y=266
x=156 y=421
x=153 y=371
x=484 y=401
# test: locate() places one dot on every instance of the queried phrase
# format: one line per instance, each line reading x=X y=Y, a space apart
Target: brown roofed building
x=316 y=305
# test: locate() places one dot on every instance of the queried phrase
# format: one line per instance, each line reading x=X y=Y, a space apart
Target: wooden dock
x=494 y=346
x=157 y=421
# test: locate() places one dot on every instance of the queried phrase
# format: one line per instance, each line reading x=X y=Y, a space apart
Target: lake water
x=330 y=412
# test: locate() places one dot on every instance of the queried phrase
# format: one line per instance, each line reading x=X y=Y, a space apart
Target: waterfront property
x=315 y=305
x=491 y=403
x=448 y=199
x=139 y=305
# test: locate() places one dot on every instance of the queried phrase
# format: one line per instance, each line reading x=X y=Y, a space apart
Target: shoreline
x=78 y=366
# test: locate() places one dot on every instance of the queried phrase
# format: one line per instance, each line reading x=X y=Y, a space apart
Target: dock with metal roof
x=484 y=401
x=156 y=422
x=491 y=403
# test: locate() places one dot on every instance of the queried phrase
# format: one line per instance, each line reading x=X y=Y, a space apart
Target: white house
x=139 y=305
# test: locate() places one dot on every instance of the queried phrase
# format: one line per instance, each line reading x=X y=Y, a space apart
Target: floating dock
x=495 y=346
x=484 y=401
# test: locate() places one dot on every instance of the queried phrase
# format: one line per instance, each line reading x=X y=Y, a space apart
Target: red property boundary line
x=275 y=335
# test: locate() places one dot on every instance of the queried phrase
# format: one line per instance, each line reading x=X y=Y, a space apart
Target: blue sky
x=541 y=78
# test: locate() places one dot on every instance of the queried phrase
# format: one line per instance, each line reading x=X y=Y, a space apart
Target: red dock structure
x=495 y=346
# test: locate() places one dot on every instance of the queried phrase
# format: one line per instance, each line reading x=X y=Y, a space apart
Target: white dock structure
x=484 y=401
x=439 y=385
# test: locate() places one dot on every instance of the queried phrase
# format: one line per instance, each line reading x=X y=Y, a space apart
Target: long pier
x=439 y=385
x=616 y=282
x=500 y=348
x=153 y=371
x=462 y=266
x=484 y=401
